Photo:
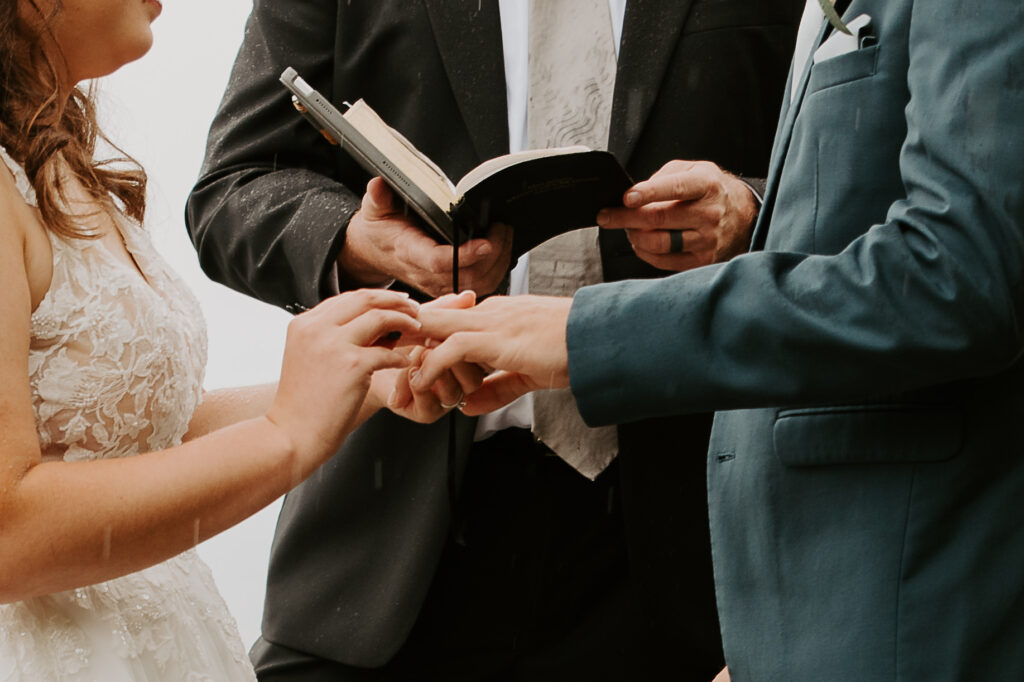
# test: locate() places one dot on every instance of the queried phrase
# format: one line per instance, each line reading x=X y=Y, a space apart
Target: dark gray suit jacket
x=866 y=477
x=357 y=544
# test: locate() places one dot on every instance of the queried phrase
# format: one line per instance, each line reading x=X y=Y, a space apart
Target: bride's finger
x=376 y=325
x=344 y=308
x=383 y=358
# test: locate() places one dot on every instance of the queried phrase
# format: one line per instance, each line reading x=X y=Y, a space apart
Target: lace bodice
x=116 y=365
x=117 y=359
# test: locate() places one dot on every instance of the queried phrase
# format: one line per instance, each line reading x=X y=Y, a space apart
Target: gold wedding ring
x=459 y=403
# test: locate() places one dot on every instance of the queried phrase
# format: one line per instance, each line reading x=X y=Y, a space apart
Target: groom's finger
x=446 y=388
x=469 y=376
x=401 y=395
x=461 y=301
x=440 y=323
x=473 y=347
x=497 y=391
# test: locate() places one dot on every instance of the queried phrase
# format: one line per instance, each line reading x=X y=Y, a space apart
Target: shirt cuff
x=757 y=187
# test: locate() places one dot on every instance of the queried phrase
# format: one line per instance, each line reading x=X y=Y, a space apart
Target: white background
x=158 y=110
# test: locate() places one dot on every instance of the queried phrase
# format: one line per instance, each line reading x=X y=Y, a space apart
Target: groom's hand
x=522 y=337
x=383 y=243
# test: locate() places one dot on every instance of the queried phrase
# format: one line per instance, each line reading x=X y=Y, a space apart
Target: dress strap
x=20 y=178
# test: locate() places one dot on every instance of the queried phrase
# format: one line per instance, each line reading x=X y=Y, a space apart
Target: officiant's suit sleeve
x=269 y=212
x=929 y=291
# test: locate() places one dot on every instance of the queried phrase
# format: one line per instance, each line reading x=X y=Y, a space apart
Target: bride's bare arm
x=66 y=524
x=226 y=406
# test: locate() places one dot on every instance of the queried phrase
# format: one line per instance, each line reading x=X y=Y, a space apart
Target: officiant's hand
x=383 y=243
x=522 y=337
x=688 y=214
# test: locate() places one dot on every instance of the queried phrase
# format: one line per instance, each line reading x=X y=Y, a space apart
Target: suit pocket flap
x=867 y=434
x=843 y=69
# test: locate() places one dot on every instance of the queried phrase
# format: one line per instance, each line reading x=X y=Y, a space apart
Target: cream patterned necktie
x=571 y=80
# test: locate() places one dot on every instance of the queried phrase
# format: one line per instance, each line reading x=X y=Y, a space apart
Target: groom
x=865 y=473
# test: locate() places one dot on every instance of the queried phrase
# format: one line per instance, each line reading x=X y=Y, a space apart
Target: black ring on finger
x=675 y=241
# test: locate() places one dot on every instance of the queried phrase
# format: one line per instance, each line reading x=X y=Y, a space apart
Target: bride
x=102 y=351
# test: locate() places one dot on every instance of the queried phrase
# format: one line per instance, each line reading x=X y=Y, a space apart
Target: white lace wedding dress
x=116 y=367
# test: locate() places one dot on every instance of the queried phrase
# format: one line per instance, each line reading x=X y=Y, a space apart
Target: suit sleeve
x=267 y=216
x=933 y=294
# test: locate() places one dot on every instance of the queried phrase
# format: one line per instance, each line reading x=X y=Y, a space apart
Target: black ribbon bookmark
x=453 y=493
x=458 y=534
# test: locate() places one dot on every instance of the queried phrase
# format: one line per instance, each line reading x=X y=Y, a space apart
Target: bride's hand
x=331 y=353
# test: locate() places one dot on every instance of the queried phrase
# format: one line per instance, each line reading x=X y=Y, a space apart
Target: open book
x=540 y=193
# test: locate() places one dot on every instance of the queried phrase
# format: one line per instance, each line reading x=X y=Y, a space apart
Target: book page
x=492 y=166
x=400 y=152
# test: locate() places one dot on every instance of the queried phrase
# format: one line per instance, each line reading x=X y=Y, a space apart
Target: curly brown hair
x=53 y=132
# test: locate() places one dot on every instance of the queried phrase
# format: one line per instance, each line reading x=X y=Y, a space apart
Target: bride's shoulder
x=14 y=177
x=23 y=236
x=12 y=206
x=13 y=231
x=16 y=214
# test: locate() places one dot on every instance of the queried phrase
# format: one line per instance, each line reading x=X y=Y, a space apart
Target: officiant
x=576 y=553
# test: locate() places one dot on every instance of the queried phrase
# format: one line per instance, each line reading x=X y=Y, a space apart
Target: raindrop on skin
x=106 y=542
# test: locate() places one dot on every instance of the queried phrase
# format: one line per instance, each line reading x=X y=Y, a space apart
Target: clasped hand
x=453 y=357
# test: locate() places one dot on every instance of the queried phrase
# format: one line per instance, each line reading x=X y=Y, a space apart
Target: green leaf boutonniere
x=833 y=16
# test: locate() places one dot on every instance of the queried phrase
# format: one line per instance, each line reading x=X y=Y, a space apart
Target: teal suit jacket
x=866 y=473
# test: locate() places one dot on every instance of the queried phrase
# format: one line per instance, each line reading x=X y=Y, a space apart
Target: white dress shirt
x=810 y=27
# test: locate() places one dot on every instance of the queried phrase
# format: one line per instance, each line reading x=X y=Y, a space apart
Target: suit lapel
x=650 y=32
x=468 y=35
x=783 y=136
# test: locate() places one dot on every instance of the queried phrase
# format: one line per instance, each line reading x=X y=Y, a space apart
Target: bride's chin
x=98 y=69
